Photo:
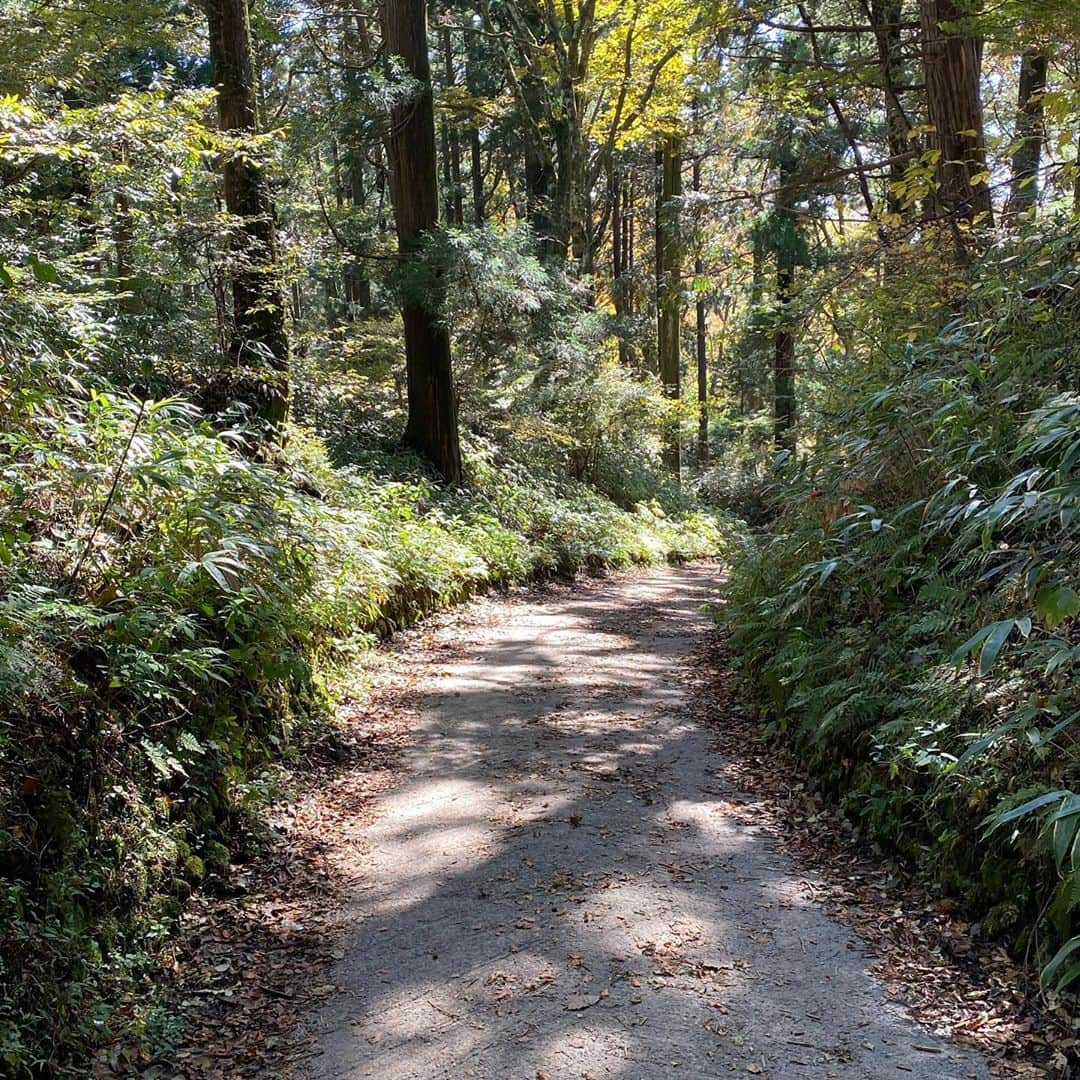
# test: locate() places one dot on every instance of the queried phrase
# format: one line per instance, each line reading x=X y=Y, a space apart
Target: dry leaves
x=968 y=989
x=252 y=967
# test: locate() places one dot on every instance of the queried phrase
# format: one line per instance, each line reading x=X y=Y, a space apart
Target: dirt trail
x=553 y=892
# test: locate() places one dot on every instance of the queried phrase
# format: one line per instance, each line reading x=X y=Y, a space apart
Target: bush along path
x=548 y=845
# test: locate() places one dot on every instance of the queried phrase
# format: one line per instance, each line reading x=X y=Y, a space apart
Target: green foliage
x=911 y=616
x=174 y=612
x=179 y=601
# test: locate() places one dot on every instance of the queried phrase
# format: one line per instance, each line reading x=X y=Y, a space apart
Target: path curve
x=553 y=893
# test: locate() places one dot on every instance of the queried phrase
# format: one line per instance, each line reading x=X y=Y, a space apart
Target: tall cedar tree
x=259 y=340
x=952 y=60
x=669 y=288
x=701 y=340
x=432 y=427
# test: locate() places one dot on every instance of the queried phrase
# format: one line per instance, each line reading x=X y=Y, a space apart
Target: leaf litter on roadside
x=950 y=981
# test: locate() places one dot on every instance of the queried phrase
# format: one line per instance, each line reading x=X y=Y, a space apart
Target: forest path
x=554 y=891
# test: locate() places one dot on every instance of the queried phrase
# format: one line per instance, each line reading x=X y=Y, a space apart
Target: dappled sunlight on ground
x=553 y=890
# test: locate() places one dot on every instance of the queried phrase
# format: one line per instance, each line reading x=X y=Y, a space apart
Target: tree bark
x=538 y=194
x=259 y=339
x=476 y=171
x=618 y=261
x=432 y=427
x=356 y=43
x=702 y=343
x=952 y=61
x=357 y=282
x=1024 y=186
x=476 y=86
x=784 y=412
x=455 y=196
x=669 y=289
x=540 y=177
x=885 y=16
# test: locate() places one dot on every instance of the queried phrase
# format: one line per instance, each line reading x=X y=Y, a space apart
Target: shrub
x=910 y=615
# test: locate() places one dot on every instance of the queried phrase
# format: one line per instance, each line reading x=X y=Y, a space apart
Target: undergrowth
x=909 y=619
x=177 y=603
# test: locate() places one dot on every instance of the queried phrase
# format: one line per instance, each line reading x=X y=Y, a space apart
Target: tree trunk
x=565 y=217
x=1024 y=186
x=259 y=339
x=539 y=169
x=476 y=170
x=432 y=427
x=454 y=196
x=123 y=230
x=885 y=17
x=952 y=60
x=629 y=299
x=357 y=282
x=702 y=342
x=784 y=358
x=669 y=288
x=475 y=85
x=784 y=414
x=618 y=261
x=1076 y=179
x=356 y=49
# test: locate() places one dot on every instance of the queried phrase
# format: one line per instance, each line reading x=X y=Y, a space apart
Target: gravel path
x=553 y=892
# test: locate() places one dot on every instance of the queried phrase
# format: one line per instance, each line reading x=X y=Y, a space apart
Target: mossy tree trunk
x=701 y=340
x=1028 y=139
x=787 y=249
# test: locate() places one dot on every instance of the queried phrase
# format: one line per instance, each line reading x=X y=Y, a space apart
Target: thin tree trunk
x=474 y=84
x=669 y=289
x=1076 y=181
x=539 y=172
x=432 y=427
x=476 y=169
x=784 y=413
x=618 y=261
x=952 y=61
x=1024 y=186
x=356 y=41
x=259 y=339
x=455 y=197
x=885 y=16
x=123 y=230
x=357 y=282
x=701 y=342
x=447 y=179
x=629 y=292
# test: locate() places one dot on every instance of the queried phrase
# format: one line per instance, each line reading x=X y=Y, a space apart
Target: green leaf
x=1056 y=604
x=981 y=744
x=1026 y=808
x=992 y=638
x=43 y=271
x=995 y=640
x=1059 y=958
x=969 y=646
x=190 y=743
x=1064 y=825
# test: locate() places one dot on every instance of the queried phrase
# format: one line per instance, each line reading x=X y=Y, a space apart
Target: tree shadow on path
x=554 y=891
